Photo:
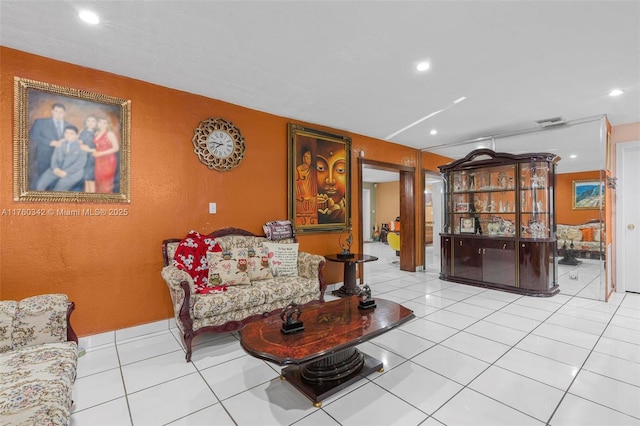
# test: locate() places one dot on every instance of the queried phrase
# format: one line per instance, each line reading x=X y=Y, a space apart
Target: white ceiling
x=351 y=65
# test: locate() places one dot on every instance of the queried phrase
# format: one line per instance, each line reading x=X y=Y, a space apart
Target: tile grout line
x=124 y=385
x=581 y=369
x=491 y=364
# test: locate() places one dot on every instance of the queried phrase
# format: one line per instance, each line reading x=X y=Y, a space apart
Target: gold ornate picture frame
x=319 y=179
x=588 y=194
x=70 y=145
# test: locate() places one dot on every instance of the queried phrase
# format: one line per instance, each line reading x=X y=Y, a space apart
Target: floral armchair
x=38 y=359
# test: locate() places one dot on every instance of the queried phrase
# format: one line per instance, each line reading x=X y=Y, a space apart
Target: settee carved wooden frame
x=71 y=334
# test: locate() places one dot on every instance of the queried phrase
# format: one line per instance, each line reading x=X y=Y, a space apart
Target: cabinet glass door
x=534 y=200
x=484 y=201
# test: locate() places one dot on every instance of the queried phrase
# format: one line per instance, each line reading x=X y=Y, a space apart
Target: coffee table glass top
x=329 y=327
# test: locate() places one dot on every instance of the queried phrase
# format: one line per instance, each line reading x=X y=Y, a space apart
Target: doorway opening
x=399 y=180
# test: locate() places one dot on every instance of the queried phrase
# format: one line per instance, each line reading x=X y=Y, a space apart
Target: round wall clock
x=218 y=144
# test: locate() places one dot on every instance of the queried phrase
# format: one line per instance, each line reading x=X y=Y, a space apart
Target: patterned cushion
x=258 y=264
x=242 y=313
x=236 y=297
x=573 y=233
x=278 y=230
x=288 y=288
x=228 y=267
x=36 y=383
x=191 y=256
x=257 y=298
x=587 y=234
x=283 y=259
x=40 y=319
x=8 y=310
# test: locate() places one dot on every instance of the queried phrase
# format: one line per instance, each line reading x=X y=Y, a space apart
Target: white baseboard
x=111 y=337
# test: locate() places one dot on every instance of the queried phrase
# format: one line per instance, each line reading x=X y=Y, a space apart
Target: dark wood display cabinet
x=499 y=222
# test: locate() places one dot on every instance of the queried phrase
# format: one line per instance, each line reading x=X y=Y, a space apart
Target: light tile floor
x=471 y=356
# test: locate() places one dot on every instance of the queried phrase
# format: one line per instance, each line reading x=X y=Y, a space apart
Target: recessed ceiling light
x=616 y=92
x=423 y=66
x=433 y=132
x=573 y=156
x=89 y=17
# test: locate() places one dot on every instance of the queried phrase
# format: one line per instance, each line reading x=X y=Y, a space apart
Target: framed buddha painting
x=319 y=177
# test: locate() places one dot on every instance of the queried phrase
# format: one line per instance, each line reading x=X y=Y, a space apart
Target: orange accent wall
x=565 y=214
x=432 y=161
x=110 y=266
x=387 y=202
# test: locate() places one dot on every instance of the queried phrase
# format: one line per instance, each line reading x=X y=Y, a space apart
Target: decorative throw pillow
x=191 y=256
x=574 y=234
x=278 y=230
x=283 y=259
x=587 y=234
x=228 y=267
x=561 y=232
x=258 y=263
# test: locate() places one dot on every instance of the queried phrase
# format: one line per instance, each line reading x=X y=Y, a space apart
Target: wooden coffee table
x=323 y=358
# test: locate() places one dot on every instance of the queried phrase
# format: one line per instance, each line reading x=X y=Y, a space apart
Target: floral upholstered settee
x=587 y=238
x=38 y=358
x=230 y=307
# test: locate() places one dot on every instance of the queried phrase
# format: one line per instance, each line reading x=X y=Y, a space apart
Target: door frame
x=407 y=210
x=366 y=217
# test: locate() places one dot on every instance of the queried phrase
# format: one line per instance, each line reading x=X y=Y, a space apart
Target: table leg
x=350 y=287
x=327 y=376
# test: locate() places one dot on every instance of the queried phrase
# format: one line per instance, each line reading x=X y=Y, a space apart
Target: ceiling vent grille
x=550 y=122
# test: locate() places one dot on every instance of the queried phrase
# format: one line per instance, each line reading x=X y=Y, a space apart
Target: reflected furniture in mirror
x=586 y=240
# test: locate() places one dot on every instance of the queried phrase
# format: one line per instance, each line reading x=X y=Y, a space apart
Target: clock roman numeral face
x=220 y=144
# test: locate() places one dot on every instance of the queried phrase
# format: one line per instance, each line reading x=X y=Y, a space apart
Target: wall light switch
x=212 y=208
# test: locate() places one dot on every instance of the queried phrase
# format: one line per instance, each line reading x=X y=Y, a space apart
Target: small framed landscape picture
x=462 y=207
x=588 y=194
x=467 y=225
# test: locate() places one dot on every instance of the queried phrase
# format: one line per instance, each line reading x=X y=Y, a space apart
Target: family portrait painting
x=72 y=145
x=319 y=180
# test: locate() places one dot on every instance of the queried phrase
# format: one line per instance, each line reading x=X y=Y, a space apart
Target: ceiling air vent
x=549 y=122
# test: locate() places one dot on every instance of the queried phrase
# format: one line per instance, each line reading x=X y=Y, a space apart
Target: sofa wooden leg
x=187 y=338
